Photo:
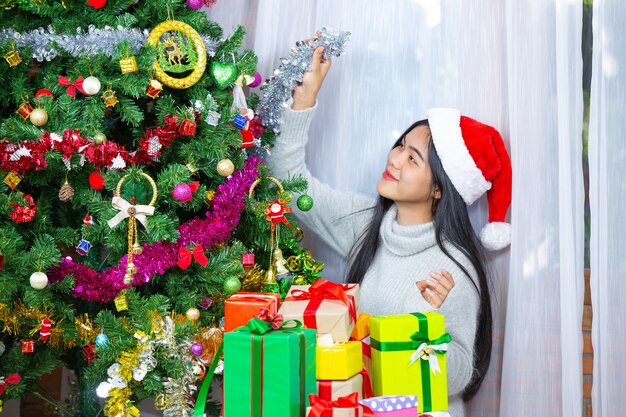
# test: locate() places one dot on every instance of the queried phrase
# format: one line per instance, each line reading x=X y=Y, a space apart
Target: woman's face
x=407 y=178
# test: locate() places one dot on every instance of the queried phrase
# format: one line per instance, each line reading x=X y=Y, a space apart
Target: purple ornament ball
x=194 y=4
x=182 y=193
x=257 y=80
x=196 y=349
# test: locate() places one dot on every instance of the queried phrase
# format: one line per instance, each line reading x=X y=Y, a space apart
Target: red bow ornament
x=275 y=320
x=11 y=379
x=186 y=256
x=72 y=86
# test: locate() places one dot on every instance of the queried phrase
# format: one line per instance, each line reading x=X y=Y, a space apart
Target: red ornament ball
x=97 y=4
x=195 y=4
x=96 y=181
x=44 y=92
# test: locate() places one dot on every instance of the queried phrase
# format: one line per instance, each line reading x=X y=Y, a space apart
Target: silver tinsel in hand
x=46 y=45
x=278 y=89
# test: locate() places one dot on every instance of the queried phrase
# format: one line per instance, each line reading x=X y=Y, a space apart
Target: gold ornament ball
x=39 y=117
x=99 y=138
x=38 y=280
x=193 y=314
x=225 y=167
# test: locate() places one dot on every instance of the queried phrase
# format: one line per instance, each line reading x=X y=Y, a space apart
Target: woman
x=414 y=249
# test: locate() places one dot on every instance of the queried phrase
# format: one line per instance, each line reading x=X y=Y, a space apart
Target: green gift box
x=408 y=358
x=270 y=374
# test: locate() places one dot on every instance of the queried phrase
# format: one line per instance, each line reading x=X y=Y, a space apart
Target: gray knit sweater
x=406 y=254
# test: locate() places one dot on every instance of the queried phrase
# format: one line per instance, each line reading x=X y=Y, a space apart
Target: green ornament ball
x=99 y=138
x=232 y=285
x=305 y=202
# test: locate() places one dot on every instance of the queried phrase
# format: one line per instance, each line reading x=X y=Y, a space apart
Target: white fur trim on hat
x=457 y=162
x=496 y=235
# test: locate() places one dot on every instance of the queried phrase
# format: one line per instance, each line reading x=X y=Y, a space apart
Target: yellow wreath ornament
x=178 y=26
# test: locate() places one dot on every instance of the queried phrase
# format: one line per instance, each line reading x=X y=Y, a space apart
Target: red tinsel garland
x=28 y=155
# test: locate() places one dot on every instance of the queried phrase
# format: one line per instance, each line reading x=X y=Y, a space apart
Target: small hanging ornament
x=128 y=65
x=28 y=346
x=102 y=340
x=43 y=92
x=23 y=214
x=72 y=86
x=154 y=88
x=281 y=270
x=109 y=97
x=187 y=127
x=191 y=166
x=225 y=167
x=66 y=193
x=247 y=260
x=241 y=122
x=38 y=280
x=121 y=302
x=257 y=80
x=91 y=85
x=305 y=202
x=184 y=192
x=212 y=118
x=99 y=138
x=133 y=213
x=223 y=73
x=193 y=314
x=96 y=181
x=87 y=220
x=247 y=139
x=196 y=349
x=13 y=57
x=12 y=179
x=232 y=285
x=25 y=110
x=46 y=327
x=194 y=4
x=83 y=247
x=39 y=117
x=89 y=352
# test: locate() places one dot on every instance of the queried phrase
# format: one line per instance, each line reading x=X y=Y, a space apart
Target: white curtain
x=514 y=64
x=607 y=168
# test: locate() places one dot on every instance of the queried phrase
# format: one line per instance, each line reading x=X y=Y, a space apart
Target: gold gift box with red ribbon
x=328 y=307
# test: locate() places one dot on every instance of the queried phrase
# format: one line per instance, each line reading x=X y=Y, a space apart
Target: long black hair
x=452 y=224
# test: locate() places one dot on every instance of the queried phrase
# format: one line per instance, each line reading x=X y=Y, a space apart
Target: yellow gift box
x=338 y=362
x=408 y=358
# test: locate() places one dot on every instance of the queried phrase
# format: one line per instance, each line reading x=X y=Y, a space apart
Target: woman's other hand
x=305 y=94
x=436 y=288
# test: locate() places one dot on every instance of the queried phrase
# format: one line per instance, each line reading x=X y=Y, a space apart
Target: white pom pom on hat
x=476 y=161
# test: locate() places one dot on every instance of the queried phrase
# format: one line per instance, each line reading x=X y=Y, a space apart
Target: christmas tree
x=133 y=194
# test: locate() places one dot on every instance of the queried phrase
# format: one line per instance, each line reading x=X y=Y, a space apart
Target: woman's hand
x=436 y=288
x=305 y=94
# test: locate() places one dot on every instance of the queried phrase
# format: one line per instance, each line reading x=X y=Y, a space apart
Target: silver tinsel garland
x=46 y=45
x=278 y=89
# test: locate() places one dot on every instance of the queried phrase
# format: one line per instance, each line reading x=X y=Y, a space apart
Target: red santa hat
x=476 y=161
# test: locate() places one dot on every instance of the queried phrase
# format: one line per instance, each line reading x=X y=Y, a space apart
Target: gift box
x=337 y=361
x=408 y=358
x=268 y=372
x=392 y=405
x=346 y=406
x=361 y=333
x=328 y=307
x=332 y=390
x=435 y=414
x=241 y=307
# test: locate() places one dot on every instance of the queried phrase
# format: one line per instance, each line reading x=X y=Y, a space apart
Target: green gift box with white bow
x=409 y=358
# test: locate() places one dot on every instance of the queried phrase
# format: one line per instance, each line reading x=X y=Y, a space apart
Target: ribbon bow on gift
x=274 y=320
x=127 y=210
x=266 y=322
x=186 y=255
x=72 y=86
x=324 y=289
x=427 y=349
x=324 y=408
x=11 y=379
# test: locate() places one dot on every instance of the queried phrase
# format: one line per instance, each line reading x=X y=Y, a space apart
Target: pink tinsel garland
x=228 y=203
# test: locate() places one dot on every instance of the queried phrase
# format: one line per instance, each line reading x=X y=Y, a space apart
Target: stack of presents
x=316 y=355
